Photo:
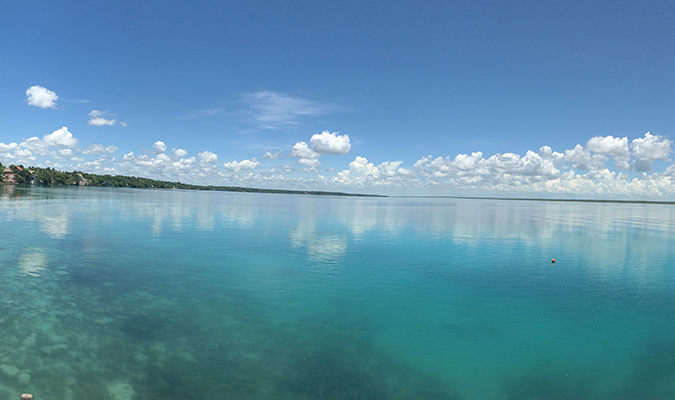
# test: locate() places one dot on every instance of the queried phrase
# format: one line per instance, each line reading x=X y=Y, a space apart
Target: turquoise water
x=142 y=294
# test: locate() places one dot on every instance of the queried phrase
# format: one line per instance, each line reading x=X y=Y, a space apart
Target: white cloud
x=308 y=169
x=61 y=138
x=185 y=164
x=301 y=150
x=611 y=146
x=322 y=143
x=179 y=153
x=406 y=172
x=159 y=147
x=20 y=156
x=244 y=165
x=307 y=157
x=309 y=162
x=544 y=172
x=94 y=148
x=101 y=165
x=272 y=156
x=272 y=110
x=581 y=158
x=360 y=166
x=207 y=157
x=557 y=159
x=330 y=143
x=507 y=168
x=288 y=168
x=96 y=119
x=41 y=97
x=99 y=121
x=99 y=149
x=389 y=169
x=649 y=149
x=24 y=153
x=8 y=147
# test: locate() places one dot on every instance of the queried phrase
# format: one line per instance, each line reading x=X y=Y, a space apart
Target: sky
x=570 y=99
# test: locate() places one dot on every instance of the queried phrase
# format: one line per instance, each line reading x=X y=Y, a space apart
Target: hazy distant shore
x=540 y=199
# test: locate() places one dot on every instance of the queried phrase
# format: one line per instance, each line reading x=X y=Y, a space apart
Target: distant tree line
x=52 y=177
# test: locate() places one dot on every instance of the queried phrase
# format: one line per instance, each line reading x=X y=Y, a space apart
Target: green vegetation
x=52 y=177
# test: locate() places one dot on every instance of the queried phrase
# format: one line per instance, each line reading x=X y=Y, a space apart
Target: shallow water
x=120 y=294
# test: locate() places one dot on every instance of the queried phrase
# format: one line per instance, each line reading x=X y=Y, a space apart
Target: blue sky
x=506 y=98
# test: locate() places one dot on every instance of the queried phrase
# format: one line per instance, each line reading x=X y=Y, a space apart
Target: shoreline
x=539 y=199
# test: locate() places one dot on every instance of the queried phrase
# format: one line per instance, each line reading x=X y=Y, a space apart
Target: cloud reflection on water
x=33 y=262
x=325 y=226
x=321 y=248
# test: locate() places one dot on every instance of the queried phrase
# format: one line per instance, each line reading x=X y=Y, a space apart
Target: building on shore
x=83 y=181
x=9 y=177
x=33 y=177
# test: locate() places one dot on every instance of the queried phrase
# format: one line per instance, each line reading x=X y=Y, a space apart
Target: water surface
x=151 y=294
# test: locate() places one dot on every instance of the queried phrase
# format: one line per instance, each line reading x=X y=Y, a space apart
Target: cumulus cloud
x=203 y=170
x=361 y=171
x=8 y=147
x=99 y=149
x=159 y=147
x=612 y=146
x=244 y=165
x=330 y=143
x=360 y=166
x=19 y=156
x=581 y=158
x=322 y=143
x=24 y=153
x=60 y=138
x=307 y=157
x=103 y=165
x=579 y=171
x=649 y=149
x=507 y=167
x=207 y=157
x=96 y=118
x=546 y=153
x=179 y=153
x=185 y=164
x=309 y=162
x=301 y=150
x=39 y=96
x=272 y=156
x=94 y=149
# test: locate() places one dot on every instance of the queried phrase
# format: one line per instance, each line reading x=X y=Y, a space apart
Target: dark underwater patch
x=144 y=327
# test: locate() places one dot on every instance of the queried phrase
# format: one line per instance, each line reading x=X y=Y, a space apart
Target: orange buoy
x=553 y=261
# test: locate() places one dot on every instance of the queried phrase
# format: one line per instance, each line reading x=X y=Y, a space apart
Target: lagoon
x=169 y=294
